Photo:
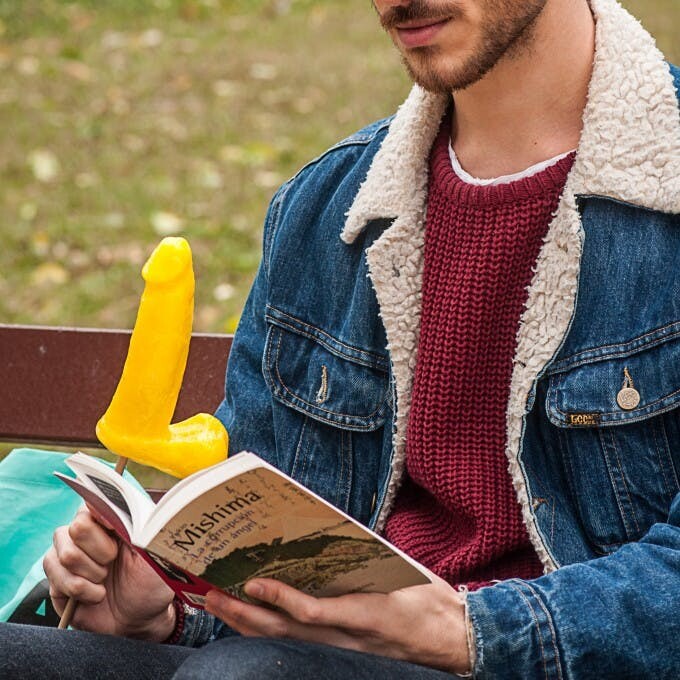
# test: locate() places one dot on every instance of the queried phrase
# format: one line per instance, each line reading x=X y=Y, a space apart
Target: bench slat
x=55 y=383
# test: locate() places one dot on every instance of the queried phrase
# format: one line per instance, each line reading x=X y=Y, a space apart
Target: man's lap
x=29 y=652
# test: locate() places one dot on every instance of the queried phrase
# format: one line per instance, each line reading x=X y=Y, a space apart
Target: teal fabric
x=33 y=503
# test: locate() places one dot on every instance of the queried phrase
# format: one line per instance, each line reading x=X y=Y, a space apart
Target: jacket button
x=628 y=398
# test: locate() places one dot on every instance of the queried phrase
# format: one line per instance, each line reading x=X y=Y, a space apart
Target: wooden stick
x=72 y=603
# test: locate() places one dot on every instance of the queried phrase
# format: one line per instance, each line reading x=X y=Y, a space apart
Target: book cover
x=245 y=519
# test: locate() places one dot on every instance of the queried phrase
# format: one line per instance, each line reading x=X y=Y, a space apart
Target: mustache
x=419 y=10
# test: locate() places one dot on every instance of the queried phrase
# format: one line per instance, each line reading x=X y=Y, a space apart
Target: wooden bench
x=55 y=383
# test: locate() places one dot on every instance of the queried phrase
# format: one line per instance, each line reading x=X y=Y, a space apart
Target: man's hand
x=421 y=624
x=117 y=591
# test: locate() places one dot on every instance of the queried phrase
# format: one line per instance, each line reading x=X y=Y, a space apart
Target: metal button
x=628 y=398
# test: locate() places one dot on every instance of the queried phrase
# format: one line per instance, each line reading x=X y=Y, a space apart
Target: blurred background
x=123 y=121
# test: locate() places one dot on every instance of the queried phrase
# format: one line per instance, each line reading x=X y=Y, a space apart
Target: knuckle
x=81 y=527
x=48 y=562
x=239 y=617
x=60 y=533
x=310 y=613
x=279 y=629
x=110 y=551
x=76 y=588
x=84 y=591
x=70 y=557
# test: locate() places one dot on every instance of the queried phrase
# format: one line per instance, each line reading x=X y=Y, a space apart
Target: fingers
x=252 y=620
x=65 y=584
x=78 y=563
x=89 y=535
x=357 y=612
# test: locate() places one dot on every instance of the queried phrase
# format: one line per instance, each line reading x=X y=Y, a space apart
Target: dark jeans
x=28 y=652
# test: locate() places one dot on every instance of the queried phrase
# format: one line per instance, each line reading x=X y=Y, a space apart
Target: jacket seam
x=272 y=224
x=670 y=458
x=620 y=350
x=619 y=201
x=354 y=140
x=549 y=621
x=326 y=339
x=297 y=457
x=660 y=452
x=612 y=480
x=538 y=627
x=621 y=473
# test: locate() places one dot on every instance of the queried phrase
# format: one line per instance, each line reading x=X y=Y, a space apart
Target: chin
x=442 y=75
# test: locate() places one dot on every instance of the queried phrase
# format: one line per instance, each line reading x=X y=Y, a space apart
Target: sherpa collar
x=630 y=142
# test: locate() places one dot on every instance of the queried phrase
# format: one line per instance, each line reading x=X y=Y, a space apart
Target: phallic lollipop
x=136 y=425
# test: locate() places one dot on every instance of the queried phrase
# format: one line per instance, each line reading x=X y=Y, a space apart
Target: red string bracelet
x=173 y=639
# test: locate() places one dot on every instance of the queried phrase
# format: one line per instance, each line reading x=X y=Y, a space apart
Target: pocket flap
x=319 y=376
x=586 y=395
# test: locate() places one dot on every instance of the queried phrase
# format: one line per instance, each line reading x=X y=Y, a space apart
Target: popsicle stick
x=72 y=603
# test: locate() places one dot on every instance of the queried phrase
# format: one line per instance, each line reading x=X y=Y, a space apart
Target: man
x=395 y=359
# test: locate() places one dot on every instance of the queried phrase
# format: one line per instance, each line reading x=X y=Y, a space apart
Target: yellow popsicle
x=136 y=424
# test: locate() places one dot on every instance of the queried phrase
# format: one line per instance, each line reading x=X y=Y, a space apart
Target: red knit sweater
x=457 y=512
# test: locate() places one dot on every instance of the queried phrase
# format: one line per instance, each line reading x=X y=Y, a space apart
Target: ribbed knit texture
x=457 y=512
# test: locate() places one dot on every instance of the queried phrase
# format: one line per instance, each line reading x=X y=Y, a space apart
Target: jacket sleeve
x=613 y=617
x=246 y=409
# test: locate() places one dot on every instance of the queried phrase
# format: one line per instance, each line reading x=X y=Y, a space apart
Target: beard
x=506 y=30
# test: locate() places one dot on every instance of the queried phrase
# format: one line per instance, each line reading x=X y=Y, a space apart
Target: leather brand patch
x=583 y=419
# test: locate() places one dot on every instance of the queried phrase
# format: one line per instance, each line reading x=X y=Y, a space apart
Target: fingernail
x=211 y=601
x=254 y=589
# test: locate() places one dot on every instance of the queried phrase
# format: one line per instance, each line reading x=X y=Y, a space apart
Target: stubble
x=507 y=32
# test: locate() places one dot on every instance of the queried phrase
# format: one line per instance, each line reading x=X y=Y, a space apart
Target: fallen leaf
x=49 y=273
x=224 y=88
x=267 y=179
x=166 y=223
x=263 y=71
x=152 y=37
x=28 y=66
x=223 y=291
x=44 y=165
x=78 y=71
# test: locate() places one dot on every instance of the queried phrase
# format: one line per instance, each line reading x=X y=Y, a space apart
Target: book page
x=118 y=520
x=132 y=506
x=261 y=524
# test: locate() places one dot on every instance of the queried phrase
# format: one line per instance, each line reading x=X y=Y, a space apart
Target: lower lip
x=419 y=37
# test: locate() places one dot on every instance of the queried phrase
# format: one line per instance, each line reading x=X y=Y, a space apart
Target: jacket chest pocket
x=619 y=433
x=331 y=401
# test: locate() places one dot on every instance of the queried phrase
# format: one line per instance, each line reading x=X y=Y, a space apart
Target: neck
x=529 y=107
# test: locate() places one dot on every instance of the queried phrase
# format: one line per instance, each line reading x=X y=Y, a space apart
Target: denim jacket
x=322 y=364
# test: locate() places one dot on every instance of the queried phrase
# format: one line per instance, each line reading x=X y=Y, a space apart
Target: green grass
x=123 y=118
x=142 y=119
x=147 y=116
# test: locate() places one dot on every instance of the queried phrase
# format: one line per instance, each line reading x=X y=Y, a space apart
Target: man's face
x=448 y=45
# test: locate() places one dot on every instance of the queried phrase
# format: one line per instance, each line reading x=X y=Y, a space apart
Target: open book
x=242 y=519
